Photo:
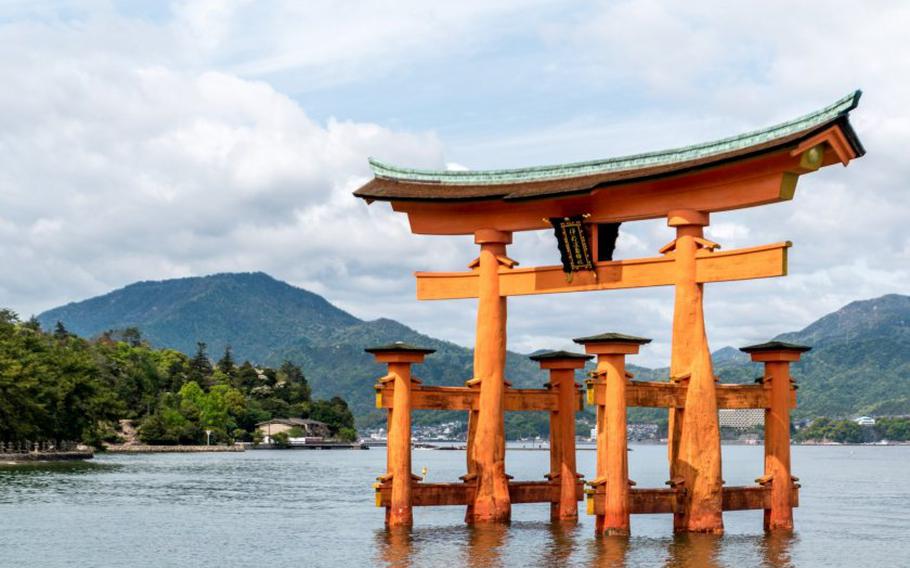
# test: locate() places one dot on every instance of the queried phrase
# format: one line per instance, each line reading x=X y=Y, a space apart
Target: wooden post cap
x=399 y=347
x=484 y=236
x=399 y=352
x=680 y=217
x=612 y=343
x=561 y=359
x=775 y=351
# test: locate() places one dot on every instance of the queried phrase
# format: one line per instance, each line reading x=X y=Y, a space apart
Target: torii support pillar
x=612 y=441
x=563 y=471
x=694 y=431
x=399 y=357
x=487 y=446
x=777 y=357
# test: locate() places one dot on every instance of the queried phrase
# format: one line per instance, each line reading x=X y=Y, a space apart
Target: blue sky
x=151 y=140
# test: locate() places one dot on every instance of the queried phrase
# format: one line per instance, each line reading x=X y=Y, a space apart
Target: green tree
x=335 y=413
x=200 y=368
x=58 y=386
x=281 y=440
x=226 y=363
x=246 y=377
x=60 y=331
x=297 y=388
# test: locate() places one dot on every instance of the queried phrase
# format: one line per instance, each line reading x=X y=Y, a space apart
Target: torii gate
x=684 y=186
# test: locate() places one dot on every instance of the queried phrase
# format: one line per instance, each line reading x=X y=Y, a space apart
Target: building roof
x=394 y=183
x=293 y=422
x=775 y=346
x=611 y=337
x=556 y=355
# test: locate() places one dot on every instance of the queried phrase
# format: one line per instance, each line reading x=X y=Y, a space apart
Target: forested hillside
x=56 y=386
x=860 y=362
x=269 y=322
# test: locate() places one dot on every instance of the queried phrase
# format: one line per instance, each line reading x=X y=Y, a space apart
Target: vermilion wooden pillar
x=399 y=357
x=777 y=357
x=488 y=447
x=694 y=431
x=612 y=440
x=562 y=365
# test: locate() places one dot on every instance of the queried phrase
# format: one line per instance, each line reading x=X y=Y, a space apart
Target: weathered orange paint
x=651 y=501
x=453 y=494
x=656 y=394
x=766 y=261
x=612 y=442
x=398 y=445
x=696 y=496
x=467 y=398
x=779 y=513
x=744 y=183
x=562 y=436
x=694 y=437
x=491 y=503
x=834 y=140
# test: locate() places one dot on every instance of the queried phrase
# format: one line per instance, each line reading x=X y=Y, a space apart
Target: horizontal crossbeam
x=442 y=494
x=466 y=398
x=673 y=395
x=740 y=264
x=651 y=501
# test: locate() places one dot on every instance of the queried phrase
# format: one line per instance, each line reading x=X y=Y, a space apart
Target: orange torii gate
x=586 y=201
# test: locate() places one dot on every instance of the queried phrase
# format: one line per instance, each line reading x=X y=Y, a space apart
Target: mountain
x=860 y=362
x=268 y=321
x=253 y=313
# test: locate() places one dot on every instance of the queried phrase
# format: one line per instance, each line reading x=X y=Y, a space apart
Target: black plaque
x=572 y=239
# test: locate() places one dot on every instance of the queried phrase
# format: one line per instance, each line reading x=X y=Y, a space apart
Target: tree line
x=56 y=386
x=824 y=429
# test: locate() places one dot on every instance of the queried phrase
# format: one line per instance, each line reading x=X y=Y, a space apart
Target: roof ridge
x=620 y=163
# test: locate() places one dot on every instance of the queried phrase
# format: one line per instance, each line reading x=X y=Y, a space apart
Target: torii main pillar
x=694 y=431
x=487 y=441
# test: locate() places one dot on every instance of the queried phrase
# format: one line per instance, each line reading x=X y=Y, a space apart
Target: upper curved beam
x=393 y=183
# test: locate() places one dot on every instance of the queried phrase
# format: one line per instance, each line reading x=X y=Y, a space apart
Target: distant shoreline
x=37 y=457
x=148 y=449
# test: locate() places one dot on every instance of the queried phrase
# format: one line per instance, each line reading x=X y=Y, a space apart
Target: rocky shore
x=146 y=449
x=49 y=456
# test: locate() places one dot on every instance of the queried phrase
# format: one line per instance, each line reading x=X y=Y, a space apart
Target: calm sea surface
x=315 y=508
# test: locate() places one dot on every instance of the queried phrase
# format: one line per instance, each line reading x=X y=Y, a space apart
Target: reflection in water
x=148 y=511
x=485 y=545
x=558 y=544
x=776 y=548
x=559 y=550
x=690 y=550
x=395 y=547
x=475 y=545
x=610 y=551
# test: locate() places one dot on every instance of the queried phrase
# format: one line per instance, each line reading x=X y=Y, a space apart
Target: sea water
x=316 y=508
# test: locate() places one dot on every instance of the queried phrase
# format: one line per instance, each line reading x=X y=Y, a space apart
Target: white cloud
x=136 y=148
x=114 y=171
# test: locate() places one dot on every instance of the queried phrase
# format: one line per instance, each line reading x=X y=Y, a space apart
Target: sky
x=155 y=140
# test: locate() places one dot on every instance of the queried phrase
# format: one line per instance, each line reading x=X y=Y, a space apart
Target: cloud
x=181 y=141
x=328 y=44
x=114 y=171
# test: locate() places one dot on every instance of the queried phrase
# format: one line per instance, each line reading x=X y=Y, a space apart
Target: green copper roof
x=775 y=346
x=399 y=346
x=624 y=163
x=612 y=337
x=556 y=355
